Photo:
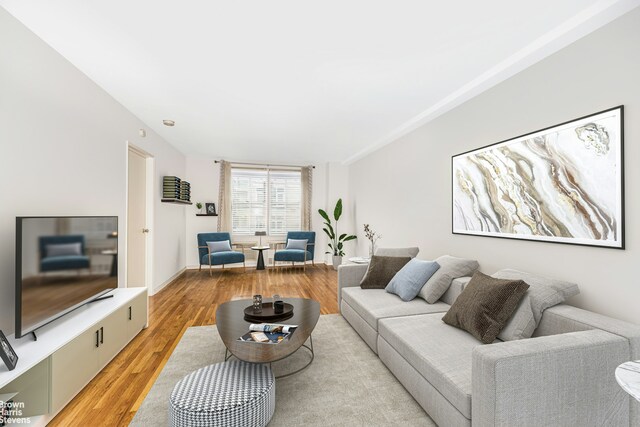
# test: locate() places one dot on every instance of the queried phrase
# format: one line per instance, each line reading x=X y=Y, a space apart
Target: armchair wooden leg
x=210 y=269
x=200 y=267
x=244 y=263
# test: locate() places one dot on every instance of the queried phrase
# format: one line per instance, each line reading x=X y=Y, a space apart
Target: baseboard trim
x=155 y=290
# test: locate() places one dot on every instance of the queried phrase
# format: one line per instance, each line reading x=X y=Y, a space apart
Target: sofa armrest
x=565 y=379
x=350 y=275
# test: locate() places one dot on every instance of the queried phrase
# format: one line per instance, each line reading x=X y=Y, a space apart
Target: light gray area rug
x=346 y=385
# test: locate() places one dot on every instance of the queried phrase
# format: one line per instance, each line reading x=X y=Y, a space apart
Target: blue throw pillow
x=411 y=278
x=300 y=244
x=221 y=246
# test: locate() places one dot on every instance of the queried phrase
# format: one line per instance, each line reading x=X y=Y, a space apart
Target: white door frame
x=149 y=255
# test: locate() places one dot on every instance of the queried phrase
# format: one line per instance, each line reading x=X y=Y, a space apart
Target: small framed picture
x=9 y=357
x=211 y=208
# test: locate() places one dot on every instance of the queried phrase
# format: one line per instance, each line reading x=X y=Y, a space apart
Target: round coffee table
x=231 y=326
x=260 y=249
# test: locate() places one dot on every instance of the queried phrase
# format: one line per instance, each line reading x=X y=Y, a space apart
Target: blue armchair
x=59 y=253
x=217 y=258
x=297 y=255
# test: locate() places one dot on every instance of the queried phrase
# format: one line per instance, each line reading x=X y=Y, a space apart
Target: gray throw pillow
x=221 y=246
x=485 y=306
x=401 y=252
x=381 y=270
x=411 y=278
x=63 y=249
x=297 y=244
x=542 y=294
x=450 y=268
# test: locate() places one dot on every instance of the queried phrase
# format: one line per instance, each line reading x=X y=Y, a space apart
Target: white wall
x=404 y=189
x=63 y=152
x=204 y=176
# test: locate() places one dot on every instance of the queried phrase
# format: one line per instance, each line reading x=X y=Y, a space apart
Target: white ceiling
x=298 y=81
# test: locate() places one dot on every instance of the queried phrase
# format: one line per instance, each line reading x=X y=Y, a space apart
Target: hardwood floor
x=113 y=397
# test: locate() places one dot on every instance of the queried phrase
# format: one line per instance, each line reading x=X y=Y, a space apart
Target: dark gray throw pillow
x=381 y=270
x=485 y=306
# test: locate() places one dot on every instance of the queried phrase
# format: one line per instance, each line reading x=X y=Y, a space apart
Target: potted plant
x=199 y=206
x=336 y=241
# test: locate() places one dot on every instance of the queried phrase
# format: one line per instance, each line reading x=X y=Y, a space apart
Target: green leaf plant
x=336 y=241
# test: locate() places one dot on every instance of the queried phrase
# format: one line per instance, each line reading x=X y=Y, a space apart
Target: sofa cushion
x=411 y=278
x=375 y=304
x=296 y=255
x=439 y=352
x=402 y=252
x=485 y=306
x=219 y=246
x=456 y=288
x=543 y=293
x=220 y=258
x=450 y=268
x=300 y=244
x=381 y=270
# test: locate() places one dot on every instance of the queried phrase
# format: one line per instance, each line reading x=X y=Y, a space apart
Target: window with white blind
x=265 y=200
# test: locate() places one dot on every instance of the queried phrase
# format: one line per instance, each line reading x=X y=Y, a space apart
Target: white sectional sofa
x=563 y=376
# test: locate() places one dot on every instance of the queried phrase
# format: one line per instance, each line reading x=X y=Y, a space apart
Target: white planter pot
x=337 y=260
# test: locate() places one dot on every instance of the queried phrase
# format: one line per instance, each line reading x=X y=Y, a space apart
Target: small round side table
x=260 y=249
x=629 y=379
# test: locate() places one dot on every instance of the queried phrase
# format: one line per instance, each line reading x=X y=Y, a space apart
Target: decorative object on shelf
x=562 y=184
x=211 y=208
x=337 y=241
x=199 y=207
x=9 y=357
x=260 y=234
x=373 y=237
x=175 y=190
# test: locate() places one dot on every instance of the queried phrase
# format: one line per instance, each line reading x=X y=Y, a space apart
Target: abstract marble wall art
x=562 y=184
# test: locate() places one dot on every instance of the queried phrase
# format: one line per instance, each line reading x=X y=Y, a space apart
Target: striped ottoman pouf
x=233 y=393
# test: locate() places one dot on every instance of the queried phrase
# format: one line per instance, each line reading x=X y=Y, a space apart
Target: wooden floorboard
x=113 y=397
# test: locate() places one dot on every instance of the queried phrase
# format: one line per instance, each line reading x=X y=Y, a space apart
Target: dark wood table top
x=231 y=326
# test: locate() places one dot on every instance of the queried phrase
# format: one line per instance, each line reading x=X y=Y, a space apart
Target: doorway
x=139 y=215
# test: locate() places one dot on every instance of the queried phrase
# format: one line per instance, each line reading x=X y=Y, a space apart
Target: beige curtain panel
x=306 y=174
x=224 y=197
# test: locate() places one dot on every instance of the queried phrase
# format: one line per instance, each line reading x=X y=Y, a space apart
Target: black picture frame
x=8 y=355
x=622 y=242
x=210 y=208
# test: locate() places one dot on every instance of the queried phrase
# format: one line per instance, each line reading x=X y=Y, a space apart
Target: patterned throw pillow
x=485 y=306
x=381 y=270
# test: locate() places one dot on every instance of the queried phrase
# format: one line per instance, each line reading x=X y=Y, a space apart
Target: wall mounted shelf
x=177 y=201
x=206 y=214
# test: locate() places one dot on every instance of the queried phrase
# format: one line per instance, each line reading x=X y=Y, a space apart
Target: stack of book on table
x=268 y=333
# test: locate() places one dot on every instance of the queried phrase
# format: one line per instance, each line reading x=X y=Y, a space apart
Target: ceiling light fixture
x=168 y=123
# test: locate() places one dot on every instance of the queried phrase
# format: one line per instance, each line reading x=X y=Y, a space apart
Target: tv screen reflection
x=65 y=262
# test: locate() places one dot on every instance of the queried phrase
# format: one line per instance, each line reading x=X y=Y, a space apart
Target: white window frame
x=268 y=207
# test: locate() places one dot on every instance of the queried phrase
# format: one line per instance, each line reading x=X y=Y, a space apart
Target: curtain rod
x=264 y=164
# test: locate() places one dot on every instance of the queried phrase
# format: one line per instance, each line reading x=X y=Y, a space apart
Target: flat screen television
x=62 y=263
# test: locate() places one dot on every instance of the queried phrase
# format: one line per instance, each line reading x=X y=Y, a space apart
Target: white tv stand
x=70 y=352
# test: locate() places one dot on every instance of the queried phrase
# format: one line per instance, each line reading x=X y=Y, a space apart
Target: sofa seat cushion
x=375 y=304
x=64 y=262
x=227 y=257
x=441 y=353
x=293 y=255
